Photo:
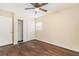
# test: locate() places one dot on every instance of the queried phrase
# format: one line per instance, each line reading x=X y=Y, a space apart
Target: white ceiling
x=51 y=7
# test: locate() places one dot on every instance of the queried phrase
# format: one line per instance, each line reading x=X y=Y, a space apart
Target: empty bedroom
x=39 y=29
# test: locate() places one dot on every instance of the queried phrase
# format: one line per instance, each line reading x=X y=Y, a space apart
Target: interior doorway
x=20 y=31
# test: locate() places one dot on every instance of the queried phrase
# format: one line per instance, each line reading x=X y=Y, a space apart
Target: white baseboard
x=60 y=46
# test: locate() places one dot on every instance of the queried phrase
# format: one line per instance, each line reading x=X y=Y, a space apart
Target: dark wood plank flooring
x=35 y=48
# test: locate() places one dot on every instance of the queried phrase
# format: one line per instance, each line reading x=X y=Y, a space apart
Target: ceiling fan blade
x=42 y=9
x=38 y=4
x=35 y=4
x=32 y=3
x=29 y=8
x=42 y=4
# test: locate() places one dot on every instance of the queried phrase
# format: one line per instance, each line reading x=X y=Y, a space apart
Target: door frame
x=22 y=28
x=13 y=28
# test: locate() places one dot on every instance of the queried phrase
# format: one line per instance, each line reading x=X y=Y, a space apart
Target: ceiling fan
x=37 y=7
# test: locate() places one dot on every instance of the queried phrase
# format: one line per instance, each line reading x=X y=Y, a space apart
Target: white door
x=20 y=30
x=5 y=30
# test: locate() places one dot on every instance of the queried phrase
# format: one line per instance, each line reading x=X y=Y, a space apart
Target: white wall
x=5 y=30
x=19 y=13
x=61 y=28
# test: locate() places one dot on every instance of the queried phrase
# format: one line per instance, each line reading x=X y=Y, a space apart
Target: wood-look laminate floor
x=35 y=48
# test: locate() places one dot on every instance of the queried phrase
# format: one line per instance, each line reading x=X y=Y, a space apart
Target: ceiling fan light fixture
x=37 y=9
